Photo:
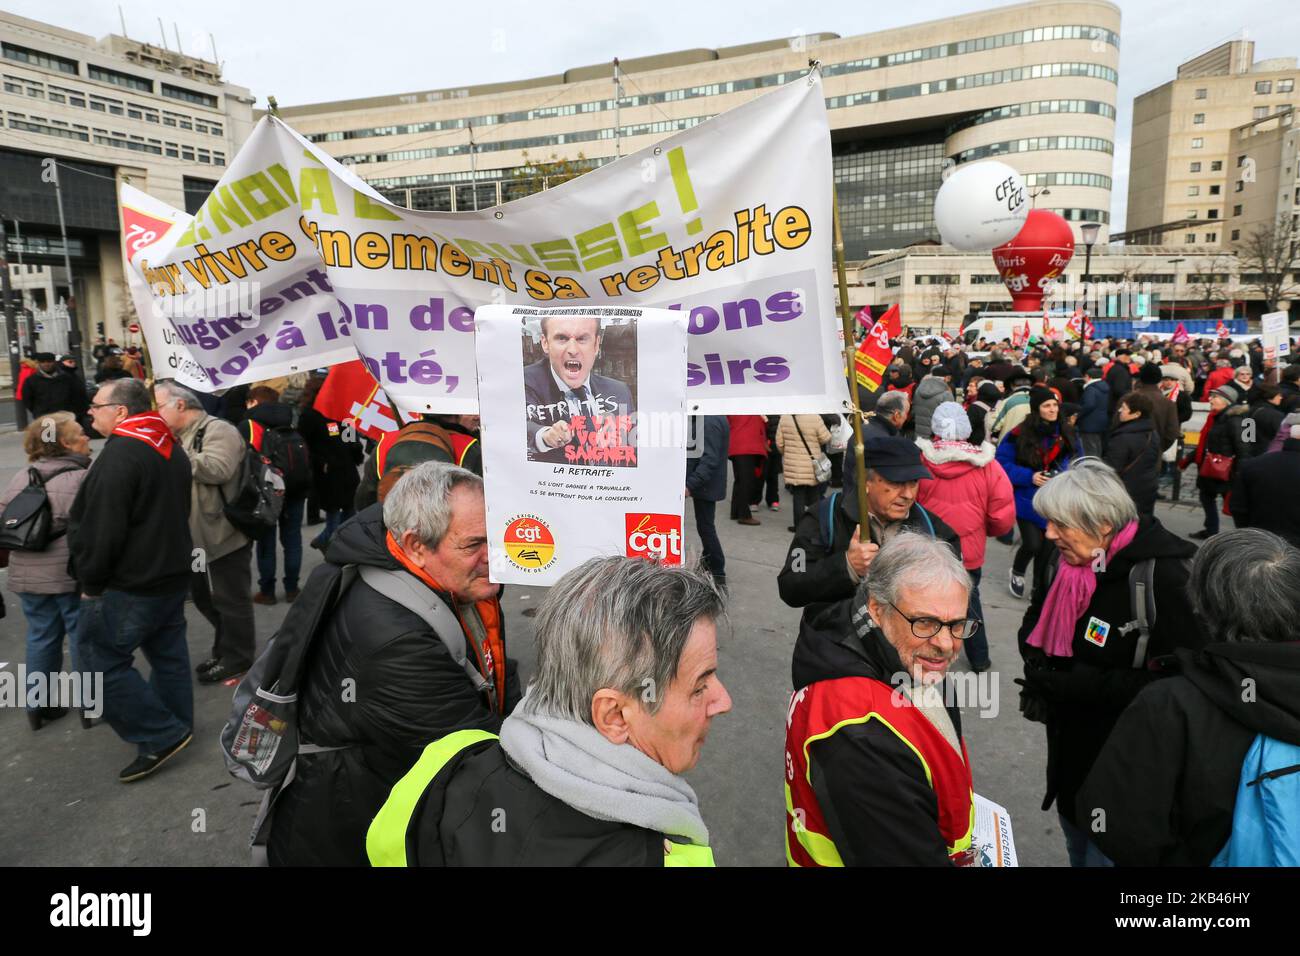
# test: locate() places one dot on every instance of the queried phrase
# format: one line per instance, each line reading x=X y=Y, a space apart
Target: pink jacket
x=969 y=491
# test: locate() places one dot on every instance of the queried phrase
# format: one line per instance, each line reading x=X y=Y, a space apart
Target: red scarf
x=149 y=428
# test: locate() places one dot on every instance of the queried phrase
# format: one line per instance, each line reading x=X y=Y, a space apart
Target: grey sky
x=303 y=53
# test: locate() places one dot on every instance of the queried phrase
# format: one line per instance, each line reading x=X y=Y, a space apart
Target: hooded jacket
x=1086 y=693
x=406 y=691
x=866 y=771
x=1185 y=739
x=970 y=492
x=930 y=394
x=1133 y=450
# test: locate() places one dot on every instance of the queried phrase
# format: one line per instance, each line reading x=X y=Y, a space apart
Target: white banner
x=293 y=260
x=584 y=436
x=1276 y=334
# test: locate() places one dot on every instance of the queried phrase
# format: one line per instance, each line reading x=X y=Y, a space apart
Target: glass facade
x=886 y=192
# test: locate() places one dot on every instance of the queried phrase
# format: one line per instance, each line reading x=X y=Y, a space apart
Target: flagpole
x=846 y=317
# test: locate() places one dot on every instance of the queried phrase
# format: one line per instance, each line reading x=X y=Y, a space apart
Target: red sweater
x=748 y=435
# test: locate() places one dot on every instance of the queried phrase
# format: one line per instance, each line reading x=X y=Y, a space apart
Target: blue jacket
x=1022 y=476
x=706 y=462
x=1094 y=413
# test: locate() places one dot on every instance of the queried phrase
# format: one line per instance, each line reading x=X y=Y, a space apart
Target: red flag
x=351 y=394
x=893 y=320
x=873 y=355
x=1089 y=330
x=1180 y=335
x=1221 y=330
x=140 y=229
x=864 y=317
x=1016 y=338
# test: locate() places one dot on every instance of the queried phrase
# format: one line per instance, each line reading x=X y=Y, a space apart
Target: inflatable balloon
x=981 y=205
x=1031 y=262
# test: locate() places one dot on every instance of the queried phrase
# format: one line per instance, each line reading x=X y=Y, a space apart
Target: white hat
x=950 y=422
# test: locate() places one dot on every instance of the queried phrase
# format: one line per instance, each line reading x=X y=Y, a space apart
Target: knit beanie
x=950 y=422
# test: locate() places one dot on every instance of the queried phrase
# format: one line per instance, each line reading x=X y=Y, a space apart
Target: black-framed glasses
x=927 y=627
x=94 y=405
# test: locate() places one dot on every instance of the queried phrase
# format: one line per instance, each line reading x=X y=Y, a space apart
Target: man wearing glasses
x=876 y=771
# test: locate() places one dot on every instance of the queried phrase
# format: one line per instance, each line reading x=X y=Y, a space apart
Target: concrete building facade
x=1184 y=153
x=107 y=110
x=1033 y=84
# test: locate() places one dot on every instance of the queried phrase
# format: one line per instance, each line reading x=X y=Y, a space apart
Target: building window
x=1236 y=234
x=1193 y=190
x=1236 y=210
x=1196 y=167
x=1285 y=86
x=893 y=282
x=1216 y=166
x=119 y=79
x=1198 y=119
x=1260 y=112
x=1215 y=190
x=1263 y=86
x=21 y=54
x=1190 y=238
x=188 y=96
x=1201 y=93
x=1198 y=143
x=1211 y=237
x=1212 y=214
x=1240 y=186
x=1241 y=161
x=1191 y=214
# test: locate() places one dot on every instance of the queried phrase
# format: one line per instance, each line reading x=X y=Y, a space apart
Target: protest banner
x=728 y=222
x=584 y=436
x=1275 y=333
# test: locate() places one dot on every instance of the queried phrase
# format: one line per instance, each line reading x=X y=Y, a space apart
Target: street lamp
x=1088 y=231
x=1035 y=193
x=1173 y=309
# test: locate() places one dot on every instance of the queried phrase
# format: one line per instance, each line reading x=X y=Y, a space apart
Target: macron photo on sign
x=576 y=416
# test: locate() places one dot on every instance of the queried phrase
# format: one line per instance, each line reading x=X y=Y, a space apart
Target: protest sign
x=992 y=842
x=1276 y=335
x=584 y=436
x=728 y=222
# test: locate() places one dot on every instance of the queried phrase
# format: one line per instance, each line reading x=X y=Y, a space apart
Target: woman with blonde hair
x=58 y=453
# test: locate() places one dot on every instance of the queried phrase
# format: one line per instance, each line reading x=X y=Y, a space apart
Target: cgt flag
x=351 y=394
x=874 y=354
x=1221 y=331
x=893 y=320
x=1180 y=335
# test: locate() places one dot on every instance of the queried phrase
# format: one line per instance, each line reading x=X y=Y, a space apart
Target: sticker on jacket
x=1097 y=632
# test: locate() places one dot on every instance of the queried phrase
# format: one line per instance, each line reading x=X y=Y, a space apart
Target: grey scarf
x=572 y=762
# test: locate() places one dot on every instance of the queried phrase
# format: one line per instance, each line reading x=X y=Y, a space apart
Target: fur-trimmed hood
x=943 y=452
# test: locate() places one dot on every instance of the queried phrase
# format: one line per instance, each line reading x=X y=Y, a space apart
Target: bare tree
x=942 y=300
x=1210 y=282
x=1266 y=258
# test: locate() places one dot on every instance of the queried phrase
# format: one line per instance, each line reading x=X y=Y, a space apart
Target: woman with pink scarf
x=1080 y=638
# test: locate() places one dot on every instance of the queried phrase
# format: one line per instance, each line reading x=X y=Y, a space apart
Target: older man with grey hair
x=414 y=649
x=221 y=580
x=876 y=771
x=587 y=770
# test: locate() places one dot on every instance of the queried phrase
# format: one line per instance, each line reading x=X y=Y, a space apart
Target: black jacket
x=1225 y=438
x=867 y=769
x=815 y=574
x=407 y=691
x=333 y=461
x=60 y=392
x=454 y=822
x=1094 y=416
x=1120 y=381
x=706 y=466
x=1183 y=741
x=128 y=528
x=1268 y=419
x=1133 y=450
x=1085 y=694
x=1264 y=492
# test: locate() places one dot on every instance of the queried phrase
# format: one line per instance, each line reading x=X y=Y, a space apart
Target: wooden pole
x=846 y=317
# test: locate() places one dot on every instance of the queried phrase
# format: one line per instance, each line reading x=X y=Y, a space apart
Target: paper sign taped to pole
x=583 y=417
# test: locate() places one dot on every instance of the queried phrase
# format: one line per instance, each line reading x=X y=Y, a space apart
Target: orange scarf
x=492 y=655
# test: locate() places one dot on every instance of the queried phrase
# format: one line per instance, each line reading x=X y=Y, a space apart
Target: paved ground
x=61 y=804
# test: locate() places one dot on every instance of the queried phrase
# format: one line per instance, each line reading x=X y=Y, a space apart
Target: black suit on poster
x=547 y=404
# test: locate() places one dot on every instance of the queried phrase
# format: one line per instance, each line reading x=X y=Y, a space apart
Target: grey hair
x=132 y=393
x=1243 y=585
x=911 y=560
x=617 y=623
x=891 y=403
x=1089 y=497
x=180 y=392
x=420 y=501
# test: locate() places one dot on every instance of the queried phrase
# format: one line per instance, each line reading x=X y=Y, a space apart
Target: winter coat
x=1164 y=415
x=1219 y=377
x=1022 y=474
x=748 y=436
x=1007 y=414
x=1133 y=450
x=978 y=412
x=333 y=461
x=408 y=691
x=46 y=572
x=706 y=472
x=1268 y=420
x=1085 y=694
x=1264 y=492
x=796 y=459
x=930 y=394
x=1184 y=740
x=970 y=492
x=216 y=471
x=1221 y=435
x=1283 y=433
x=1120 y=381
x=59 y=392
x=1094 y=416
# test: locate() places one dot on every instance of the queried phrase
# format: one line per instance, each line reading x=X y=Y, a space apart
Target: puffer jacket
x=930 y=394
x=969 y=491
x=46 y=572
x=1022 y=475
x=408 y=691
x=216 y=471
x=796 y=459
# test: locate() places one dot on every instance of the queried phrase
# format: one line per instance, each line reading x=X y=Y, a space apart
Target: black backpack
x=288 y=453
x=256 y=507
x=26 y=522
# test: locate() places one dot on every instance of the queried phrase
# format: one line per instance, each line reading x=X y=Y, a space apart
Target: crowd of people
x=416 y=733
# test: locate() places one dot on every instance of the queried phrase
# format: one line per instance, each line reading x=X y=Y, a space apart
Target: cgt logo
x=530 y=545
x=654 y=536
